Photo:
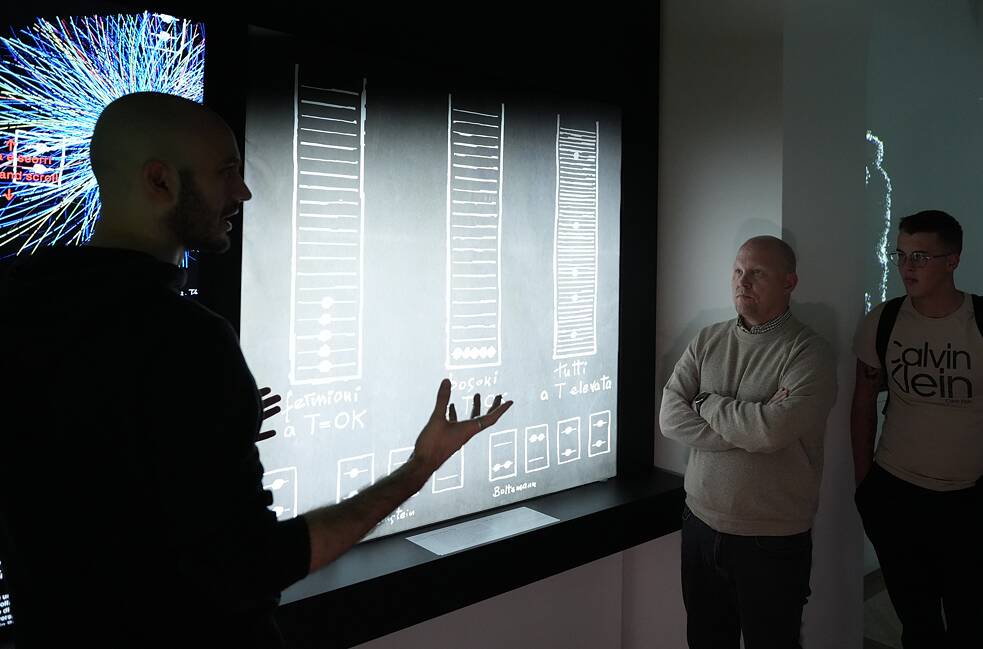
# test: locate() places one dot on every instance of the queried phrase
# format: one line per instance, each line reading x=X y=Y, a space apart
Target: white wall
x=720 y=163
x=577 y=608
x=925 y=101
x=822 y=203
x=652 y=611
x=762 y=133
x=630 y=600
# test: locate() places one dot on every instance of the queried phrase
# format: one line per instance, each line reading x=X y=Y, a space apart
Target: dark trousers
x=755 y=585
x=929 y=545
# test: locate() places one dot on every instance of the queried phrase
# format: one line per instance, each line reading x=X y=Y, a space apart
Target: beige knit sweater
x=754 y=467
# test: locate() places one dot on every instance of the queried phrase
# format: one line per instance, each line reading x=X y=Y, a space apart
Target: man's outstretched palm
x=444 y=435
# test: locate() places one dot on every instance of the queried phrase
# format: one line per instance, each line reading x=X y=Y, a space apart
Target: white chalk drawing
x=537 y=448
x=575 y=244
x=326 y=266
x=282 y=483
x=355 y=474
x=502 y=460
x=398 y=457
x=450 y=476
x=599 y=433
x=475 y=146
x=568 y=440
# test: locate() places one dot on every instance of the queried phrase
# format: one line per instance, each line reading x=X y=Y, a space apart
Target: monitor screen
x=403 y=232
x=56 y=76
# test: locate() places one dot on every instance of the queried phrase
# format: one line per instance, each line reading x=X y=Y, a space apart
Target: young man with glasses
x=920 y=494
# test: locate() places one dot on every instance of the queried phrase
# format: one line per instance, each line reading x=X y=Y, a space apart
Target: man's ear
x=952 y=262
x=791 y=281
x=160 y=182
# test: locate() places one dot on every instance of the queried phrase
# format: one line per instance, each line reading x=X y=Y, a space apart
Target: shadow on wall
x=821 y=318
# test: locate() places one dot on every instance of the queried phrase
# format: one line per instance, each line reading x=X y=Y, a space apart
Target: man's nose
x=244 y=194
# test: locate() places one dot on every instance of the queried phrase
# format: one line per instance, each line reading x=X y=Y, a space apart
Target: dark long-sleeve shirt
x=130 y=483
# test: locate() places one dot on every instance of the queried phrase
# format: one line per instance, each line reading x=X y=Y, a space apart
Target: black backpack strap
x=978 y=311
x=885 y=325
x=889 y=314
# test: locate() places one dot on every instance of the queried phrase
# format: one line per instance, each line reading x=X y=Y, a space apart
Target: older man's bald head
x=775 y=247
x=763 y=279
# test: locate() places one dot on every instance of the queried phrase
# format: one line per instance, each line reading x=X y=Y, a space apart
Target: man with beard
x=129 y=475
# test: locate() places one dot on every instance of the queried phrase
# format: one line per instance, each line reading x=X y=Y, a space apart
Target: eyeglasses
x=917 y=259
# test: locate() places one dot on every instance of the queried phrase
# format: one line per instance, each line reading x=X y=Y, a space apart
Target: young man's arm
x=863 y=418
x=336 y=528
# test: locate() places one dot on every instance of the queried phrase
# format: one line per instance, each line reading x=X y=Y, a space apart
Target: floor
x=882 y=629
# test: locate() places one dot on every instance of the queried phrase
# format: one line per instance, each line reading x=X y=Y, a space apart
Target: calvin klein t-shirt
x=933 y=431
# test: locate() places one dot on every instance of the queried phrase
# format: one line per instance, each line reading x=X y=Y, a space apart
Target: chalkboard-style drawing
x=537 y=448
x=568 y=440
x=354 y=474
x=502 y=460
x=282 y=483
x=398 y=457
x=475 y=144
x=575 y=244
x=326 y=266
x=450 y=475
x=599 y=435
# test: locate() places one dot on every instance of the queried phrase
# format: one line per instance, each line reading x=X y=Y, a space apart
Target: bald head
x=775 y=248
x=148 y=126
x=169 y=175
x=763 y=279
